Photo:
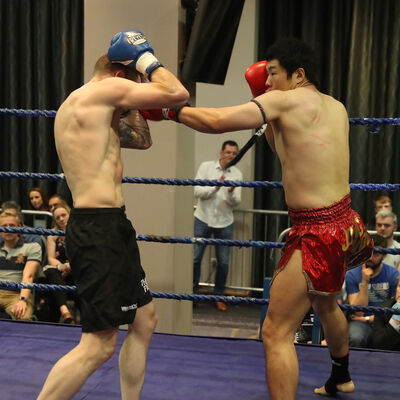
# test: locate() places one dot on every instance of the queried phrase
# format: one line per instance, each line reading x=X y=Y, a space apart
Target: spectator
x=14 y=209
x=58 y=271
x=55 y=200
x=369 y=285
x=386 y=328
x=383 y=202
x=19 y=262
x=214 y=216
x=386 y=225
x=38 y=199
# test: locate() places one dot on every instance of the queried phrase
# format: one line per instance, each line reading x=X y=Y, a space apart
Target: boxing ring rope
x=176 y=239
x=373 y=125
x=392 y=187
x=183 y=296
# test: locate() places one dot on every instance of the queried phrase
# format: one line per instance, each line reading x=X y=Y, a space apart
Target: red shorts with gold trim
x=331 y=239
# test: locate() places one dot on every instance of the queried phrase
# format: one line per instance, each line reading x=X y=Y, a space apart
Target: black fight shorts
x=105 y=263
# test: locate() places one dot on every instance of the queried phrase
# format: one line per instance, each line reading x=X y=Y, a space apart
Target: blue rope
x=183 y=296
x=32 y=231
x=201 y=182
x=196 y=182
x=52 y=113
x=28 y=113
x=390 y=187
x=208 y=241
x=32 y=175
x=177 y=239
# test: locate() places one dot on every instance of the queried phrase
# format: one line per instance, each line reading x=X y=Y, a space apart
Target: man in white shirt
x=386 y=225
x=214 y=214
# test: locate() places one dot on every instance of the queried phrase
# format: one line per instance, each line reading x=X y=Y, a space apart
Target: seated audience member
x=383 y=202
x=19 y=262
x=38 y=202
x=13 y=208
x=38 y=199
x=55 y=200
x=369 y=285
x=58 y=271
x=386 y=328
x=386 y=225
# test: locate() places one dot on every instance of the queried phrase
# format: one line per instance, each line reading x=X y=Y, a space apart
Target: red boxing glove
x=256 y=76
x=162 y=113
x=153 y=115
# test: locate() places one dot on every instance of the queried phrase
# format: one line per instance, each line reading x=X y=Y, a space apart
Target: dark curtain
x=358 y=43
x=211 y=40
x=42 y=62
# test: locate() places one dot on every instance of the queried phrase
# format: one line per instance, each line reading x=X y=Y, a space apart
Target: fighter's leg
x=133 y=355
x=72 y=370
x=289 y=302
x=337 y=336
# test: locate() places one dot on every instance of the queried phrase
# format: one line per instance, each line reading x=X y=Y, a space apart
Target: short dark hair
x=383 y=199
x=379 y=241
x=11 y=204
x=292 y=53
x=58 y=196
x=229 y=143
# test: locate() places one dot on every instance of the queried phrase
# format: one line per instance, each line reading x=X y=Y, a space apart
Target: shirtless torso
x=89 y=133
x=307 y=129
x=311 y=140
x=88 y=145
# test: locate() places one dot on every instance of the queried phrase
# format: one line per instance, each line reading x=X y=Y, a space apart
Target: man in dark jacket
x=386 y=328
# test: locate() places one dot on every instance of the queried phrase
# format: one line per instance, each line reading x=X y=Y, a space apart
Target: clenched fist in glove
x=171 y=114
x=132 y=49
x=256 y=76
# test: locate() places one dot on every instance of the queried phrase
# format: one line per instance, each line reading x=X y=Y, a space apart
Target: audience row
x=33 y=258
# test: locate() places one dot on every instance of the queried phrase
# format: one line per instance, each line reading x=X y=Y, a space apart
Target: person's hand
x=366 y=274
x=132 y=49
x=256 y=76
x=19 y=309
x=222 y=178
x=357 y=316
x=231 y=188
x=171 y=114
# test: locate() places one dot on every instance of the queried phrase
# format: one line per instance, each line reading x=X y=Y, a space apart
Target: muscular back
x=88 y=146
x=311 y=138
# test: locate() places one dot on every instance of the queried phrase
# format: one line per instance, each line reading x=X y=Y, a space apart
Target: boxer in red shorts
x=310 y=133
x=331 y=239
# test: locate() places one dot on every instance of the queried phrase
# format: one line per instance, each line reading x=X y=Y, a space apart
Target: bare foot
x=346 y=387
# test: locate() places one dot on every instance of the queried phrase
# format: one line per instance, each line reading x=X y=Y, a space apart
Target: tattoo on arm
x=134 y=133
